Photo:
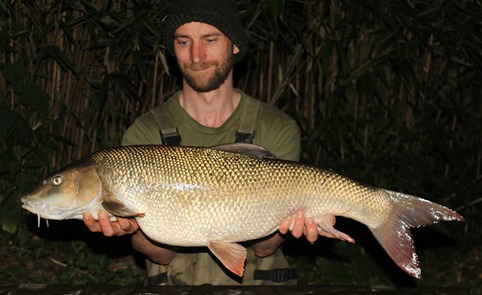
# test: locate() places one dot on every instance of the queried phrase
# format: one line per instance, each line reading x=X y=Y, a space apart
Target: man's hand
x=125 y=226
x=300 y=226
x=120 y=227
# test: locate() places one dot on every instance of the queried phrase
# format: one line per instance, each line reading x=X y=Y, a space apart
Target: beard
x=206 y=84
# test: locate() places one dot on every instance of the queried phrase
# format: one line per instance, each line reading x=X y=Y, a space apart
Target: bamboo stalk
x=271 y=65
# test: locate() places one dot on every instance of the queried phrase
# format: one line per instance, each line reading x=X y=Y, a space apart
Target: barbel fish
x=217 y=197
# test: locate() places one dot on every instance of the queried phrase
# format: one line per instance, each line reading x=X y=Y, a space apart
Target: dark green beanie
x=222 y=14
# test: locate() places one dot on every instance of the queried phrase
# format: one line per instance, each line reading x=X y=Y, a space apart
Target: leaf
x=60 y=58
x=89 y=5
x=4 y=9
x=109 y=23
x=140 y=64
x=123 y=83
x=8 y=120
x=9 y=226
x=35 y=97
x=14 y=73
x=10 y=213
x=275 y=7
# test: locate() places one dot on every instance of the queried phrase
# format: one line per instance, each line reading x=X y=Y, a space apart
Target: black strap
x=172 y=139
x=169 y=134
x=244 y=137
x=245 y=133
x=156 y=280
x=275 y=275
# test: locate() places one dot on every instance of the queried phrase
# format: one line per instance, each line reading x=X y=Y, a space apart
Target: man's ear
x=235 y=49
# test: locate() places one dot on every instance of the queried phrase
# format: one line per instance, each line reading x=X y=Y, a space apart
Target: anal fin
x=231 y=255
x=326 y=228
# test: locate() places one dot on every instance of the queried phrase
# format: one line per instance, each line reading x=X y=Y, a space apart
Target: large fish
x=216 y=197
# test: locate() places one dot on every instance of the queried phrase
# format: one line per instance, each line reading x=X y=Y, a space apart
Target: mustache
x=199 y=66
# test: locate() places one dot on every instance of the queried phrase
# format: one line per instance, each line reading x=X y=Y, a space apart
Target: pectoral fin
x=115 y=207
x=231 y=255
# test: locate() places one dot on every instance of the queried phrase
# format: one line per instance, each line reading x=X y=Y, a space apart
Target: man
x=207 y=37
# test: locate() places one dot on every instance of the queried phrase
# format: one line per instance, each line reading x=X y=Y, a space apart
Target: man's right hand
x=121 y=226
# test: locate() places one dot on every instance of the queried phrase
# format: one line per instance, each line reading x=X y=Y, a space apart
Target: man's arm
x=153 y=252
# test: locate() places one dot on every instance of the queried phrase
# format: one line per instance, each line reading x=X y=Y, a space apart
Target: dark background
x=386 y=92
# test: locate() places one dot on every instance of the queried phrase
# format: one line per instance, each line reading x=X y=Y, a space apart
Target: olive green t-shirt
x=274 y=130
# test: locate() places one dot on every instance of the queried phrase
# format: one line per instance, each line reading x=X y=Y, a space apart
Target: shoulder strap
x=245 y=133
x=169 y=134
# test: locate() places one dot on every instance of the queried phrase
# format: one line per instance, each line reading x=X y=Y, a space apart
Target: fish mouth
x=46 y=211
x=36 y=208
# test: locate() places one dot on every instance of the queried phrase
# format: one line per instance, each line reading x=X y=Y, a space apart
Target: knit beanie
x=222 y=14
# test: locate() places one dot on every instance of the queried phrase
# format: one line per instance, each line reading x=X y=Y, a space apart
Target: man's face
x=204 y=55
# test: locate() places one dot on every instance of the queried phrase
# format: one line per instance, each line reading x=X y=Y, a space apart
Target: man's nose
x=198 y=52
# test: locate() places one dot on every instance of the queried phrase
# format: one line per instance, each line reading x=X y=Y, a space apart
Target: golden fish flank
x=186 y=196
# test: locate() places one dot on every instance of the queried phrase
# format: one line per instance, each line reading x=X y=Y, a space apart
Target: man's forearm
x=153 y=252
x=268 y=246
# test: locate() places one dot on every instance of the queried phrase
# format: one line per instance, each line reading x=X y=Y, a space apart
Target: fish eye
x=57 y=180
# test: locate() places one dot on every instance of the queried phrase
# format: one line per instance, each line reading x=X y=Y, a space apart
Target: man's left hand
x=300 y=225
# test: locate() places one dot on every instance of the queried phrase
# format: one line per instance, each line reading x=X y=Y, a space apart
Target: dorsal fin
x=247 y=149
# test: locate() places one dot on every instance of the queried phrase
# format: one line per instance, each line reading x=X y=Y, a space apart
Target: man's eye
x=210 y=41
x=182 y=43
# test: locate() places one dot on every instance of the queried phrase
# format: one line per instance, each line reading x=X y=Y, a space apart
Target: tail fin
x=395 y=235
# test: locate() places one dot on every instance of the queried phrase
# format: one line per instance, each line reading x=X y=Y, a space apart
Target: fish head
x=66 y=194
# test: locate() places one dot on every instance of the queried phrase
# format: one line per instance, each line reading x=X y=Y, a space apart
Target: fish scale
x=200 y=174
x=215 y=197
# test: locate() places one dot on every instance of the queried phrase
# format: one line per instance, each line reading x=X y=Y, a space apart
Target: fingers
x=299 y=224
x=119 y=227
x=91 y=224
x=311 y=230
x=106 y=225
x=285 y=225
x=128 y=225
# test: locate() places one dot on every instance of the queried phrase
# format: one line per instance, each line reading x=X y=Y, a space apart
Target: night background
x=386 y=92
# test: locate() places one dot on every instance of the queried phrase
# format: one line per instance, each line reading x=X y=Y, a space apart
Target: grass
x=66 y=253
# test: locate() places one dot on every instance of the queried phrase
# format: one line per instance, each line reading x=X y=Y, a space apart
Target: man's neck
x=212 y=108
